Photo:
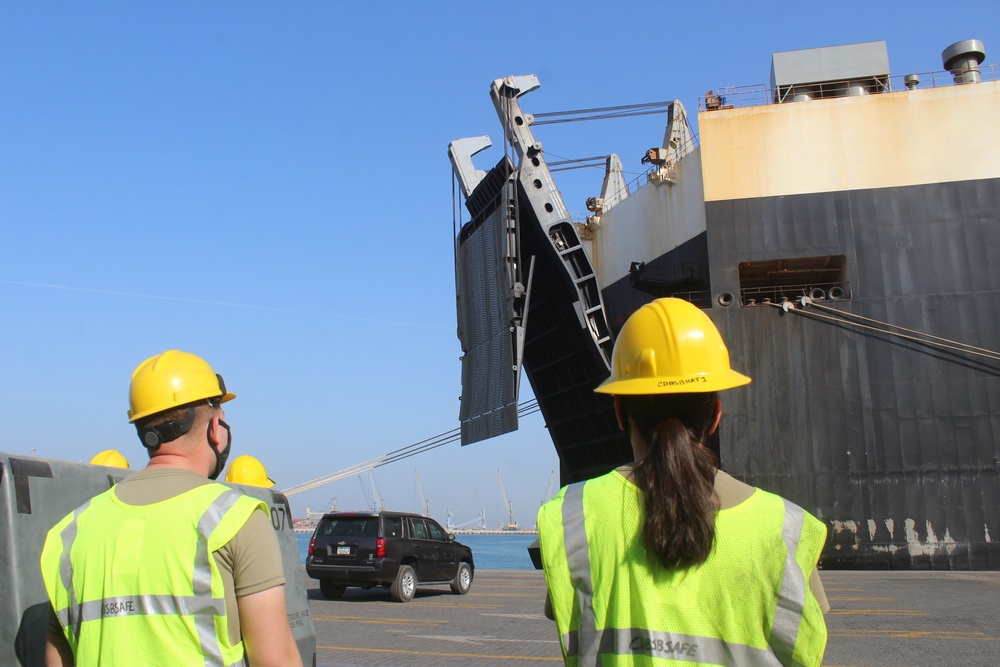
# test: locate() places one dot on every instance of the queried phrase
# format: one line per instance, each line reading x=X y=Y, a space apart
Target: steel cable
x=418 y=447
x=920 y=337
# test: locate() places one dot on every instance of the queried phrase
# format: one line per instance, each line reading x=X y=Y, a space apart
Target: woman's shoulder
x=731 y=491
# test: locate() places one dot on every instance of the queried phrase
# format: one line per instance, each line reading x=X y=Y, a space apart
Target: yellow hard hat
x=110 y=457
x=246 y=469
x=670 y=346
x=170 y=380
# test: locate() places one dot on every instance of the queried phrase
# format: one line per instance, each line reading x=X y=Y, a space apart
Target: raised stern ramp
x=527 y=296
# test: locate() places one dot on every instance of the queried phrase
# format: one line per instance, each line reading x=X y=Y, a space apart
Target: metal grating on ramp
x=485 y=313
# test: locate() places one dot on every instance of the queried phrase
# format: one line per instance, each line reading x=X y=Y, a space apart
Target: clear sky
x=267 y=185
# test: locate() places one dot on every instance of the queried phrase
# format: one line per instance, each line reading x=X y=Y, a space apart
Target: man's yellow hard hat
x=670 y=346
x=110 y=457
x=246 y=469
x=170 y=380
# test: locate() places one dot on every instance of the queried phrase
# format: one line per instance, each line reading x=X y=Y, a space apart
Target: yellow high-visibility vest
x=749 y=603
x=138 y=584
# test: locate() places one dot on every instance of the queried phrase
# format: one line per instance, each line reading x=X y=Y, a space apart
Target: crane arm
x=425 y=505
x=509 y=506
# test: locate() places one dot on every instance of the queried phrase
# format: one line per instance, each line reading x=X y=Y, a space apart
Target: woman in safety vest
x=670 y=560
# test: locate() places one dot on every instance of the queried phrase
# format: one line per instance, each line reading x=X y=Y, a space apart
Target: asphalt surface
x=878 y=619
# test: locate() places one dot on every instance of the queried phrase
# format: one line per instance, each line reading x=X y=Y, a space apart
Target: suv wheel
x=405 y=585
x=462 y=582
x=330 y=590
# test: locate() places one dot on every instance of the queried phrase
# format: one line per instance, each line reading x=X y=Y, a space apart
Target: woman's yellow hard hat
x=670 y=346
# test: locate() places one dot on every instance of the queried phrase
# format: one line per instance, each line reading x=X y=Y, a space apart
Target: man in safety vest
x=669 y=560
x=167 y=567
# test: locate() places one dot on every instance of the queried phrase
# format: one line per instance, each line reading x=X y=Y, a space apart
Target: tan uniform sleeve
x=256 y=556
x=816 y=586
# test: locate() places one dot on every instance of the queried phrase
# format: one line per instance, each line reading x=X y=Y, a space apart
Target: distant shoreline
x=499 y=531
x=460 y=531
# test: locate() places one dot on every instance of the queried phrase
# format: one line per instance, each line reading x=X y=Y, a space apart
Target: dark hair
x=203 y=411
x=677 y=477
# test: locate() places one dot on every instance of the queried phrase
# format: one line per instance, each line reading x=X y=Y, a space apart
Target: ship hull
x=844 y=248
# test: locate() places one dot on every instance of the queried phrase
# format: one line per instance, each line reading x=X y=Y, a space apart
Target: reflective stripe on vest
x=587 y=643
x=201 y=606
x=68 y=536
x=792 y=596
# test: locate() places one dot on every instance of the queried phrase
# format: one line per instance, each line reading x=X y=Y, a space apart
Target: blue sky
x=267 y=185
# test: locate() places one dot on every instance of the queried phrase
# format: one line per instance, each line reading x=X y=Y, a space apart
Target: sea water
x=489 y=551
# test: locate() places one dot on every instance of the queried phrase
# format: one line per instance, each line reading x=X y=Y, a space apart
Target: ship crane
x=425 y=505
x=507 y=505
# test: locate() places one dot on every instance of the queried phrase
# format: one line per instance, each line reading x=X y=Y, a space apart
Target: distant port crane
x=333 y=508
x=480 y=521
x=548 y=491
x=377 y=502
x=425 y=505
x=507 y=505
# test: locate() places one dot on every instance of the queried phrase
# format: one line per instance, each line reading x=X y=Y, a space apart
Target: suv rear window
x=350 y=526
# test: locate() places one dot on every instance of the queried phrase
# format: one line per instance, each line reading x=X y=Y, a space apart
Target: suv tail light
x=312 y=543
x=380 y=548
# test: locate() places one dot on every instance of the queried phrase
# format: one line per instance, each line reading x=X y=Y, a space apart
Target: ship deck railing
x=737 y=97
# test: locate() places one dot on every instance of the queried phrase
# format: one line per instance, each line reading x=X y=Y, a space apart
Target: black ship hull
x=889 y=436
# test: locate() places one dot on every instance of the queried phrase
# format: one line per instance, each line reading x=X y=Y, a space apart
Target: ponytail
x=677 y=476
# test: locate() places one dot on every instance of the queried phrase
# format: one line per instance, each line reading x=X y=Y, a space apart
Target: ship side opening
x=773 y=280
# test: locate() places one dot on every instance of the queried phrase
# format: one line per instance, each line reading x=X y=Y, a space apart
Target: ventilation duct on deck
x=963 y=59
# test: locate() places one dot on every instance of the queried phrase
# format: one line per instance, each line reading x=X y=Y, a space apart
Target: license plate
x=343 y=551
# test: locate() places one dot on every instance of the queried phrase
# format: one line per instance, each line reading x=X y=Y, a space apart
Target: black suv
x=394 y=549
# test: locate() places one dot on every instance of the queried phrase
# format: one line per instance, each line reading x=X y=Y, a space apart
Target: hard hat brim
x=695 y=384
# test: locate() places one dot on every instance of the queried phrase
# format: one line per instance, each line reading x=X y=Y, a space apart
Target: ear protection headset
x=154 y=436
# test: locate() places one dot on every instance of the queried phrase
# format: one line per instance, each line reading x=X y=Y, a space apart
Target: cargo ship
x=837 y=224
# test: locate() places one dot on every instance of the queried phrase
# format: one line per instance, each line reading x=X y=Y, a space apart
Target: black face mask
x=220 y=457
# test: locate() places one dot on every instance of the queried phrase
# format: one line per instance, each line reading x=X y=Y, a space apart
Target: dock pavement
x=878 y=619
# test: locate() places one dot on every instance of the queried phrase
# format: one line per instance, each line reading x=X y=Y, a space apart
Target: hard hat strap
x=220 y=457
x=154 y=436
